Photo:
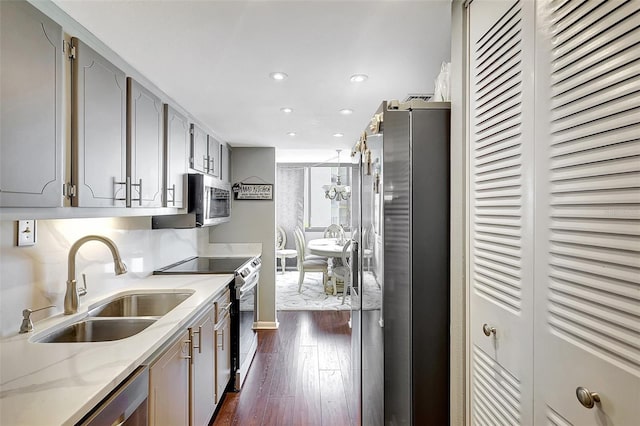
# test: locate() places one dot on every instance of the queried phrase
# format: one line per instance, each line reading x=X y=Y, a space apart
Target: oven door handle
x=248 y=286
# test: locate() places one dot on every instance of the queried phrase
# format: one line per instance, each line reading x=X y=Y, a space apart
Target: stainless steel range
x=244 y=339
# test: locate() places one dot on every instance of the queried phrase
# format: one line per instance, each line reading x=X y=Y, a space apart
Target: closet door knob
x=587 y=398
x=487 y=330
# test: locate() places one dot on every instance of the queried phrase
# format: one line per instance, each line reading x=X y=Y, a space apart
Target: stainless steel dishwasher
x=126 y=405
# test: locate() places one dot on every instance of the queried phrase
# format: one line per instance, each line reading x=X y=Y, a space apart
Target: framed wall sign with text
x=253 y=191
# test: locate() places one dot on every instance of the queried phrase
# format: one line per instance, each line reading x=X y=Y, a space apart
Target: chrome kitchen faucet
x=71 y=295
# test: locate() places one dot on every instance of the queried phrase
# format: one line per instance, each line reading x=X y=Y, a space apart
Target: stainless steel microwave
x=209 y=199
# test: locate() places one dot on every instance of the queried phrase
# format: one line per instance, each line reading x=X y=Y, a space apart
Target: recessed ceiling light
x=338 y=135
x=279 y=76
x=291 y=134
x=358 y=78
x=346 y=111
x=286 y=110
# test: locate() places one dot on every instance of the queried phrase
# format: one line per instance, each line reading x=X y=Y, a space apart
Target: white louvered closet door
x=587 y=212
x=501 y=201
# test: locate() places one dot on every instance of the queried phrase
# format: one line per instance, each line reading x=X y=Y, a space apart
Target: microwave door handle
x=207 y=203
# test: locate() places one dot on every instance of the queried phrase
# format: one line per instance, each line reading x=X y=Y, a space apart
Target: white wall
x=254 y=222
x=32 y=277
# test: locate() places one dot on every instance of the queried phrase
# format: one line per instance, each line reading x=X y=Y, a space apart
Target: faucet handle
x=83 y=290
x=27 y=324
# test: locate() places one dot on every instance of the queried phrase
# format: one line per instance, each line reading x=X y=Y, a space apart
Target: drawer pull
x=488 y=330
x=587 y=398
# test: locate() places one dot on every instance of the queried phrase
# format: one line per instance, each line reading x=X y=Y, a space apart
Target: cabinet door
x=214 y=157
x=501 y=202
x=202 y=369
x=176 y=134
x=587 y=329
x=223 y=356
x=145 y=146
x=169 y=386
x=225 y=174
x=199 y=149
x=31 y=172
x=98 y=133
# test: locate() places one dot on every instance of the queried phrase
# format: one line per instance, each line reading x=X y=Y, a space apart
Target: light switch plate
x=26 y=232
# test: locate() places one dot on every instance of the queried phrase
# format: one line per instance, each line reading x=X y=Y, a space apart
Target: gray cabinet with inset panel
x=176 y=135
x=99 y=102
x=31 y=161
x=225 y=174
x=202 y=369
x=199 y=159
x=145 y=147
x=169 y=384
x=214 y=157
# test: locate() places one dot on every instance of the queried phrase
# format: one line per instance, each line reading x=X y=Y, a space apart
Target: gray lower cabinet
x=176 y=144
x=169 y=385
x=31 y=155
x=145 y=147
x=98 y=134
x=203 y=402
x=182 y=380
x=223 y=356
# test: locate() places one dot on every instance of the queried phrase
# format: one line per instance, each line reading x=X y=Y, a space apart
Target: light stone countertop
x=58 y=383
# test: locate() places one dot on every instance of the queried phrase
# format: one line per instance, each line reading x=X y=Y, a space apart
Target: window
x=320 y=211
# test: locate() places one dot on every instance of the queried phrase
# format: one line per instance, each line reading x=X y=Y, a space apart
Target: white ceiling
x=214 y=58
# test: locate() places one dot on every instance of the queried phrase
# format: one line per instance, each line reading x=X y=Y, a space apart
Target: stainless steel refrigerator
x=400 y=305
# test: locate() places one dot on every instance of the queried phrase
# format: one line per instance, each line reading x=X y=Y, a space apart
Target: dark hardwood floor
x=299 y=376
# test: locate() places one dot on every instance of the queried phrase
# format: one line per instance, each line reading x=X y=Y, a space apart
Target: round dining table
x=329 y=247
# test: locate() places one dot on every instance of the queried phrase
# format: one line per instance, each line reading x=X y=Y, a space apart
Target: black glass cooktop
x=204 y=265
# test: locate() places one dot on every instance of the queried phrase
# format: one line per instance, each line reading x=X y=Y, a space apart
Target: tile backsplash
x=32 y=277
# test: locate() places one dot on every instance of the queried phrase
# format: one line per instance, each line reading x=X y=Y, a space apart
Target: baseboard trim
x=266 y=325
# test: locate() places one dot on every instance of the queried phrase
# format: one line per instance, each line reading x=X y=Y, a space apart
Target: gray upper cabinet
x=214 y=157
x=176 y=134
x=145 y=147
x=224 y=163
x=199 y=149
x=31 y=161
x=98 y=134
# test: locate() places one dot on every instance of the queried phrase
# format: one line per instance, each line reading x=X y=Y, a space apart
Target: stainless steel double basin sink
x=118 y=318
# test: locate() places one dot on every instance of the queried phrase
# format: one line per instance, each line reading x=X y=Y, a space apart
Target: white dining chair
x=283 y=253
x=334 y=231
x=302 y=237
x=343 y=272
x=309 y=265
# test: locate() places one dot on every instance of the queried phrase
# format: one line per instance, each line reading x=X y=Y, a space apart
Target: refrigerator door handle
x=355 y=261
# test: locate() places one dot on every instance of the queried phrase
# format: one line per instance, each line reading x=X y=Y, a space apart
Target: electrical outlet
x=26 y=232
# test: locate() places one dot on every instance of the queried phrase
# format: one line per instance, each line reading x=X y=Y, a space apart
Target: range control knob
x=243 y=273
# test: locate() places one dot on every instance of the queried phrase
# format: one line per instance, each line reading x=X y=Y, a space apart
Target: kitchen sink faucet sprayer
x=71 y=295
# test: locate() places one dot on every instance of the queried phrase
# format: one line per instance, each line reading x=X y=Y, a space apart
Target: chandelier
x=337 y=191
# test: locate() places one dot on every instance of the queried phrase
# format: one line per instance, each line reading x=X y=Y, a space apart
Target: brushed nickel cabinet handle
x=173 y=195
x=587 y=398
x=221 y=336
x=188 y=344
x=488 y=330
x=130 y=185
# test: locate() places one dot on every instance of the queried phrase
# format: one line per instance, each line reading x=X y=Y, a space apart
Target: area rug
x=313 y=298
